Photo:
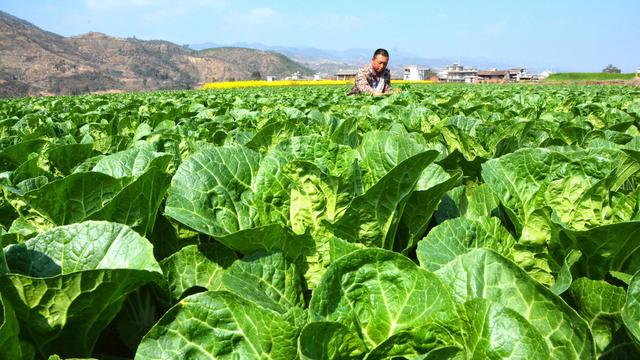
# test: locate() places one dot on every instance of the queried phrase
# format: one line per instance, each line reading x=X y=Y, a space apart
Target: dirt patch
x=634 y=82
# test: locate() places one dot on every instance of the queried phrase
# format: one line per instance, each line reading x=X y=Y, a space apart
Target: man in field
x=375 y=78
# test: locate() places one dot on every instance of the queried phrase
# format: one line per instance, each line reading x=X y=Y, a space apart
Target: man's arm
x=361 y=82
x=387 y=83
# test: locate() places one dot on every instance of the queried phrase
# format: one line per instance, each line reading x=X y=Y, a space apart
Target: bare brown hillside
x=37 y=62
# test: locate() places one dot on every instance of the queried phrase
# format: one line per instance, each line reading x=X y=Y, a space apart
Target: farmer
x=375 y=78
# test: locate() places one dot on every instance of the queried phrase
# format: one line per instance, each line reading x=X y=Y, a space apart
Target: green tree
x=611 y=69
x=255 y=75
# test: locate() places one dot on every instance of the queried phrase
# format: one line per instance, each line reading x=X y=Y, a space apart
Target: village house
x=346 y=74
x=295 y=76
x=493 y=75
x=543 y=75
x=518 y=74
x=514 y=74
x=413 y=73
x=458 y=73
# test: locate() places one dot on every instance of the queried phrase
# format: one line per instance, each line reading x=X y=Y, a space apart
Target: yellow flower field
x=263 y=83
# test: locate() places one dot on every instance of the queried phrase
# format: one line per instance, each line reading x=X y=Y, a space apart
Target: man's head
x=380 y=60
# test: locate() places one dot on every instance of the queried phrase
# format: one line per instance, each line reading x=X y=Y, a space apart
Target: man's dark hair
x=382 y=52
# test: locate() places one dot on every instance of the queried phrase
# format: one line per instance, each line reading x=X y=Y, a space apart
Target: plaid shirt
x=367 y=78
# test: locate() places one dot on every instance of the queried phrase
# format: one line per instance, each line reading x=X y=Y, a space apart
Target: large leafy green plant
x=65 y=285
x=295 y=218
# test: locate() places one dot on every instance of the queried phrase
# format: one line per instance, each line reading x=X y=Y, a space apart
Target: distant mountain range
x=330 y=61
x=37 y=62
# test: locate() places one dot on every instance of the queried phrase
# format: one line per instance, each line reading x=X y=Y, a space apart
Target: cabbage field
x=441 y=222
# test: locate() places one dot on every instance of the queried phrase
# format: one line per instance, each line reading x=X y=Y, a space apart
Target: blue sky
x=579 y=35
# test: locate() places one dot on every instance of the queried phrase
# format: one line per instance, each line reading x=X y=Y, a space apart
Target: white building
x=413 y=72
x=346 y=74
x=458 y=73
x=519 y=74
x=294 y=76
x=545 y=74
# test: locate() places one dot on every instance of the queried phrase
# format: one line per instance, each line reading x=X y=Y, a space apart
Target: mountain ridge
x=37 y=62
x=326 y=60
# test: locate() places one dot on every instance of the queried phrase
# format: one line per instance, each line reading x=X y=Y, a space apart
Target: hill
x=576 y=76
x=259 y=63
x=332 y=60
x=37 y=62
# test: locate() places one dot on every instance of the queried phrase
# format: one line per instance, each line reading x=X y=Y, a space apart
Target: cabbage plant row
x=442 y=222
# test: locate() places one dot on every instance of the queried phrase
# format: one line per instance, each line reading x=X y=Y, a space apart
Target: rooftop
x=493 y=72
x=346 y=72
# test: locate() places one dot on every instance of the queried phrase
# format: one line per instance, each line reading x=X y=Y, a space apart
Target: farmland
x=589 y=77
x=441 y=222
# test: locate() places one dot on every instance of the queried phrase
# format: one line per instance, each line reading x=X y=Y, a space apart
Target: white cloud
x=206 y=3
x=497 y=28
x=160 y=16
x=265 y=16
x=153 y=11
x=260 y=16
x=102 y=5
x=254 y=22
x=156 y=5
x=332 y=21
x=283 y=26
x=263 y=13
